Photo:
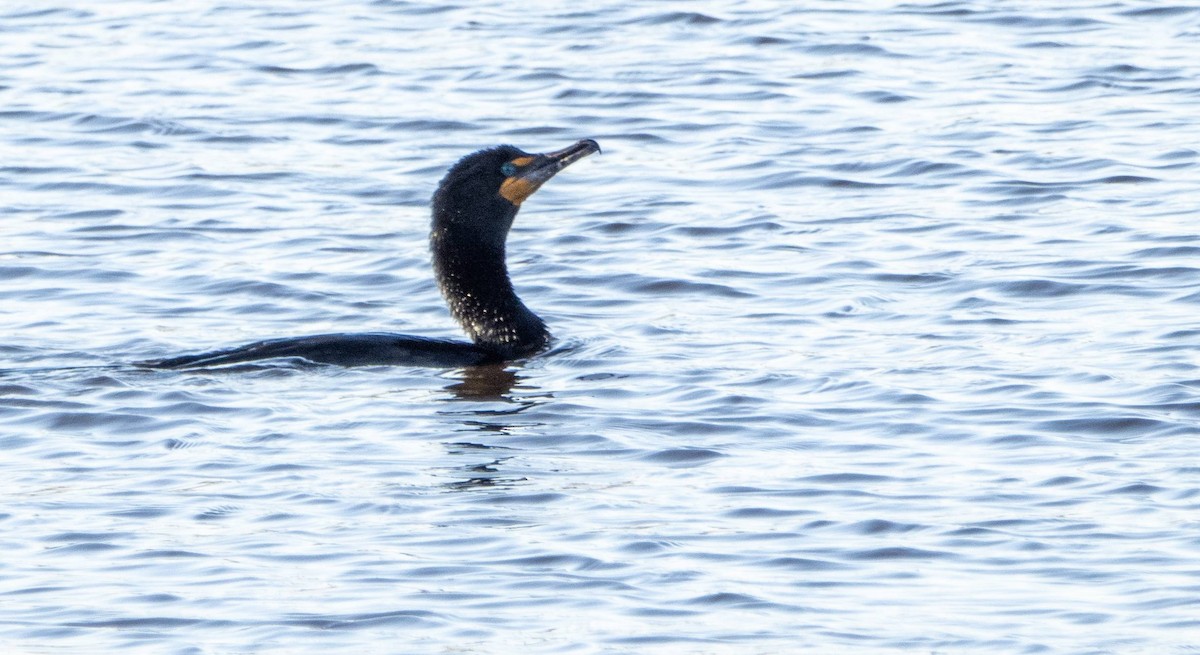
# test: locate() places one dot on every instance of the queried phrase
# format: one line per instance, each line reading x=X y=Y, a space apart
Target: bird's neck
x=474 y=280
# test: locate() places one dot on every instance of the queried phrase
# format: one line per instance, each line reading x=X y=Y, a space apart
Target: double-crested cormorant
x=473 y=209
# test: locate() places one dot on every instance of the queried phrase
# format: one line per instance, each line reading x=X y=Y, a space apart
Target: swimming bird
x=473 y=210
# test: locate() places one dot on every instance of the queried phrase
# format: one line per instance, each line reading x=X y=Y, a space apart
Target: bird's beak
x=533 y=171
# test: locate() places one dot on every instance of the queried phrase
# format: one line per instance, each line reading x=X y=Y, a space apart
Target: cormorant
x=473 y=209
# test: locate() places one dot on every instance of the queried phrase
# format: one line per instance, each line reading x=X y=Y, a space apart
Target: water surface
x=876 y=329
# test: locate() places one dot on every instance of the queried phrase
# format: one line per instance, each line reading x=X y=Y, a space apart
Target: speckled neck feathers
x=477 y=288
x=470 y=226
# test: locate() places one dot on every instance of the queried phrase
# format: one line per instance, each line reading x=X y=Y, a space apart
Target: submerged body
x=473 y=210
x=362 y=349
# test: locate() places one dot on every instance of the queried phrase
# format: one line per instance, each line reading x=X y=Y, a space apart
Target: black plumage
x=473 y=210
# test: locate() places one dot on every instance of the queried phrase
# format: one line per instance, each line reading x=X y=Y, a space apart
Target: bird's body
x=361 y=349
x=473 y=209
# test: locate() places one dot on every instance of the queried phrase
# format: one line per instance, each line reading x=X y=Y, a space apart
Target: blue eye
x=508 y=169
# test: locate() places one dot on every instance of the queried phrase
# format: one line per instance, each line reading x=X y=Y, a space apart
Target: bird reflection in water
x=484 y=383
x=487 y=384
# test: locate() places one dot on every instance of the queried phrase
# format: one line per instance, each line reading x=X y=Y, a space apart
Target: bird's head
x=483 y=191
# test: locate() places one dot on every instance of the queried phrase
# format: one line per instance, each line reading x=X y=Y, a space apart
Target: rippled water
x=877 y=329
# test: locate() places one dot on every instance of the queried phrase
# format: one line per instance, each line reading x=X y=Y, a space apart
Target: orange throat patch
x=517 y=189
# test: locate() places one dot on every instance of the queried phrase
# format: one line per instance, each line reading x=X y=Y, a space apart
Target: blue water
x=877 y=329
